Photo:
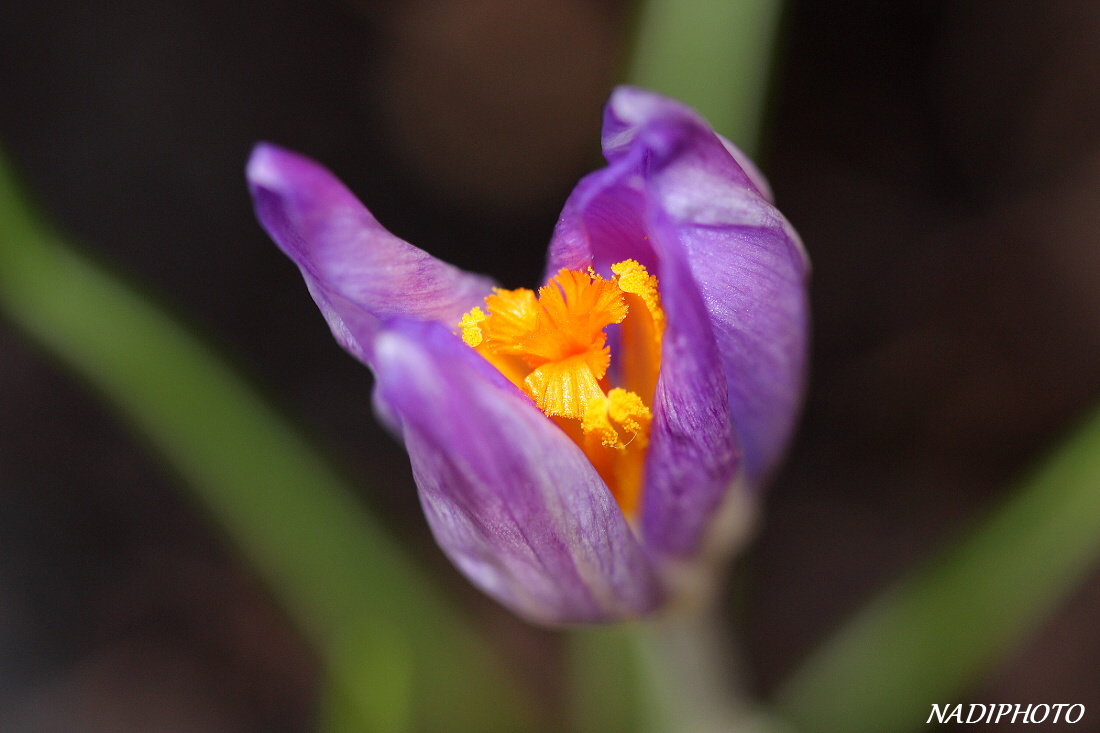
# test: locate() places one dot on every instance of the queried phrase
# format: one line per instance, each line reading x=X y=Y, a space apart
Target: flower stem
x=694 y=673
x=679 y=673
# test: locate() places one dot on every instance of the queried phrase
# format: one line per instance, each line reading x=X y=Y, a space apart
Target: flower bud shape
x=576 y=446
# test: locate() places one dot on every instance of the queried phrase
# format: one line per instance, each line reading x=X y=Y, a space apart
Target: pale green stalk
x=674 y=674
x=695 y=679
x=400 y=657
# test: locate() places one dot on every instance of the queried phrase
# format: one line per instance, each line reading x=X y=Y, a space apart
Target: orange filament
x=553 y=346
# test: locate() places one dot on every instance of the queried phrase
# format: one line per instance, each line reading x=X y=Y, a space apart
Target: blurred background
x=941 y=160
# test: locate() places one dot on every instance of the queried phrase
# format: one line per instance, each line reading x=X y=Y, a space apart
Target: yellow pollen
x=471 y=327
x=553 y=345
x=636 y=280
x=618 y=419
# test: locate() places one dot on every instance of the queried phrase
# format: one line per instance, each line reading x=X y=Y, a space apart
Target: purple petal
x=358 y=273
x=693 y=456
x=512 y=501
x=745 y=258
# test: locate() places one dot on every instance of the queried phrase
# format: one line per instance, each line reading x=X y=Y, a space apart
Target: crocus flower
x=573 y=447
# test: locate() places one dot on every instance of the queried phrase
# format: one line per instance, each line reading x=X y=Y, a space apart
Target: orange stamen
x=554 y=347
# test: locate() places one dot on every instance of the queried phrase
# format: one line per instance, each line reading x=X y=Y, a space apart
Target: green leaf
x=931 y=637
x=400 y=657
x=608 y=690
x=714 y=55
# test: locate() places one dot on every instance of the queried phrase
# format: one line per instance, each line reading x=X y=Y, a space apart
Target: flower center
x=554 y=346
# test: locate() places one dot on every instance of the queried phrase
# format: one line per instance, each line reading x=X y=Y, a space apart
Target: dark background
x=940 y=159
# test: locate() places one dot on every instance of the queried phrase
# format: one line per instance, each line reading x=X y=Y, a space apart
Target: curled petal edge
x=358 y=273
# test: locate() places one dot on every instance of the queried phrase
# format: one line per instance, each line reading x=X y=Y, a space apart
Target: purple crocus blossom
x=511 y=498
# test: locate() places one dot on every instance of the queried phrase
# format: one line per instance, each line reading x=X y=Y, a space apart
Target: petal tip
x=266 y=165
x=636 y=106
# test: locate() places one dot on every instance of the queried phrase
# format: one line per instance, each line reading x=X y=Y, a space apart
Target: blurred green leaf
x=399 y=655
x=608 y=692
x=931 y=638
x=715 y=55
